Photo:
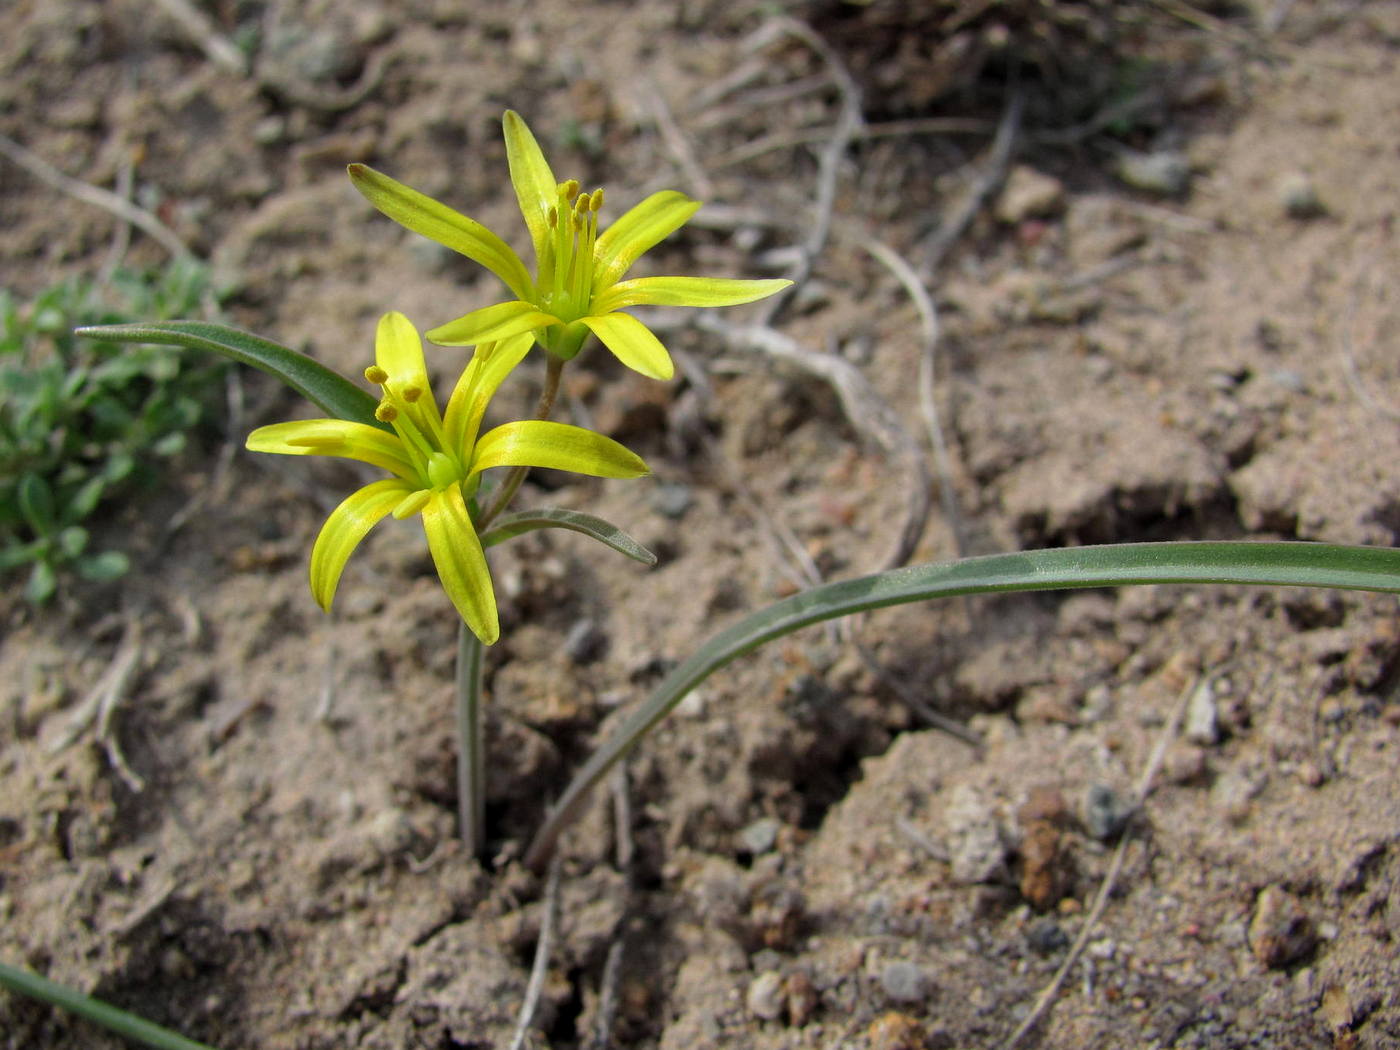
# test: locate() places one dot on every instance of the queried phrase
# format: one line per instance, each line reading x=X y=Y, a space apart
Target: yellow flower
x=436 y=460
x=578 y=286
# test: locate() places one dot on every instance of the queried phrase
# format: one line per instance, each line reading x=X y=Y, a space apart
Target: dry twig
x=1115 y=868
x=540 y=968
x=94 y=195
x=955 y=225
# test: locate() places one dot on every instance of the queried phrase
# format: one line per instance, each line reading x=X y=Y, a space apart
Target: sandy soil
x=1192 y=340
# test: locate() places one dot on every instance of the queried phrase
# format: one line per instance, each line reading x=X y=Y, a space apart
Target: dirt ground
x=1177 y=322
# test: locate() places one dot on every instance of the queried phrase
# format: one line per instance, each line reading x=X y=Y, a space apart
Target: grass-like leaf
x=1270 y=564
x=94 y=1010
x=509 y=526
x=329 y=390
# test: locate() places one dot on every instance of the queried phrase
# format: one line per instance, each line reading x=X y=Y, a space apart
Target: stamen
x=386 y=413
x=412 y=393
x=376 y=375
x=595 y=202
x=568 y=189
x=553 y=217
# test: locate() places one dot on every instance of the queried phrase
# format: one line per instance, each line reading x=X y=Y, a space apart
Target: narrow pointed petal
x=343 y=531
x=685 y=291
x=334 y=437
x=633 y=344
x=488 y=367
x=398 y=350
x=491 y=323
x=421 y=214
x=640 y=229
x=535 y=186
x=539 y=443
x=460 y=562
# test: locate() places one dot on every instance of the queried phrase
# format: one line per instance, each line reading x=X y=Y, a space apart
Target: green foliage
x=82 y=423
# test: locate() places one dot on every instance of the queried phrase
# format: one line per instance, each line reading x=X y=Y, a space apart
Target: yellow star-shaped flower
x=436 y=460
x=578 y=286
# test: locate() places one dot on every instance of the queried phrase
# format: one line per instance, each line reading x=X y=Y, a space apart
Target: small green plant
x=81 y=421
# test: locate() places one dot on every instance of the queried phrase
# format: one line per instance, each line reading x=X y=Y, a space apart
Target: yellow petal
x=491 y=323
x=421 y=214
x=460 y=562
x=633 y=344
x=685 y=291
x=398 y=350
x=344 y=530
x=639 y=230
x=334 y=437
x=539 y=443
x=535 y=186
x=488 y=367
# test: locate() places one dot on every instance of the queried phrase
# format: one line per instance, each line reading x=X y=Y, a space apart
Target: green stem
x=516 y=477
x=95 y=1010
x=471 y=748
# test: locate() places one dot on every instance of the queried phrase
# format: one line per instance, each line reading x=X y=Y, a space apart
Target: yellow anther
x=595 y=200
x=386 y=413
x=553 y=217
x=376 y=375
x=567 y=190
x=412 y=393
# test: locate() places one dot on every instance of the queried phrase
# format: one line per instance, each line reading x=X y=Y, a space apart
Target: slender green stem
x=503 y=495
x=471 y=749
x=95 y=1010
x=1112 y=565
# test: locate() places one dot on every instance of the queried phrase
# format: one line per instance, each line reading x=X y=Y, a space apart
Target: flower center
x=415 y=419
x=566 y=271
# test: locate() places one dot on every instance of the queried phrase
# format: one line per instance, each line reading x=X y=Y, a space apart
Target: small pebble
x=1280 y=932
x=904 y=982
x=765 y=996
x=585 y=641
x=672 y=499
x=1203 y=716
x=1164 y=173
x=975 y=844
x=895 y=1031
x=1047 y=937
x=1029 y=194
x=1298 y=196
x=760 y=836
x=1106 y=814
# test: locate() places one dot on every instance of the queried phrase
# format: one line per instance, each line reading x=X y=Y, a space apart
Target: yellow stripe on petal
x=343 y=531
x=640 y=229
x=460 y=562
x=492 y=323
x=334 y=437
x=685 y=291
x=633 y=344
x=421 y=214
x=535 y=186
x=487 y=369
x=539 y=443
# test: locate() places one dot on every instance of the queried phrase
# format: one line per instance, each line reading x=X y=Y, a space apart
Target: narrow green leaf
x=329 y=390
x=104 y=567
x=511 y=525
x=1113 y=565
x=36 y=503
x=95 y=1010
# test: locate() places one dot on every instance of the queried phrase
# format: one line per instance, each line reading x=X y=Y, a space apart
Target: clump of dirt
x=1194 y=341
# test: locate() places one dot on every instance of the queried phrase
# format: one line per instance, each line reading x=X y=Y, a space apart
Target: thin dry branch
x=94 y=195
x=540 y=968
x=955 y=225
x=1115 y=869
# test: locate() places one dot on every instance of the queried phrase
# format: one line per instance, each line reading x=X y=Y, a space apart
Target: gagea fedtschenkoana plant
x=436 y=459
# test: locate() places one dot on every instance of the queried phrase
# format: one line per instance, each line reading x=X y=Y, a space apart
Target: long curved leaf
x=95 y=1010
x=328 y=390
x=1276 y=564
x=511 y=525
